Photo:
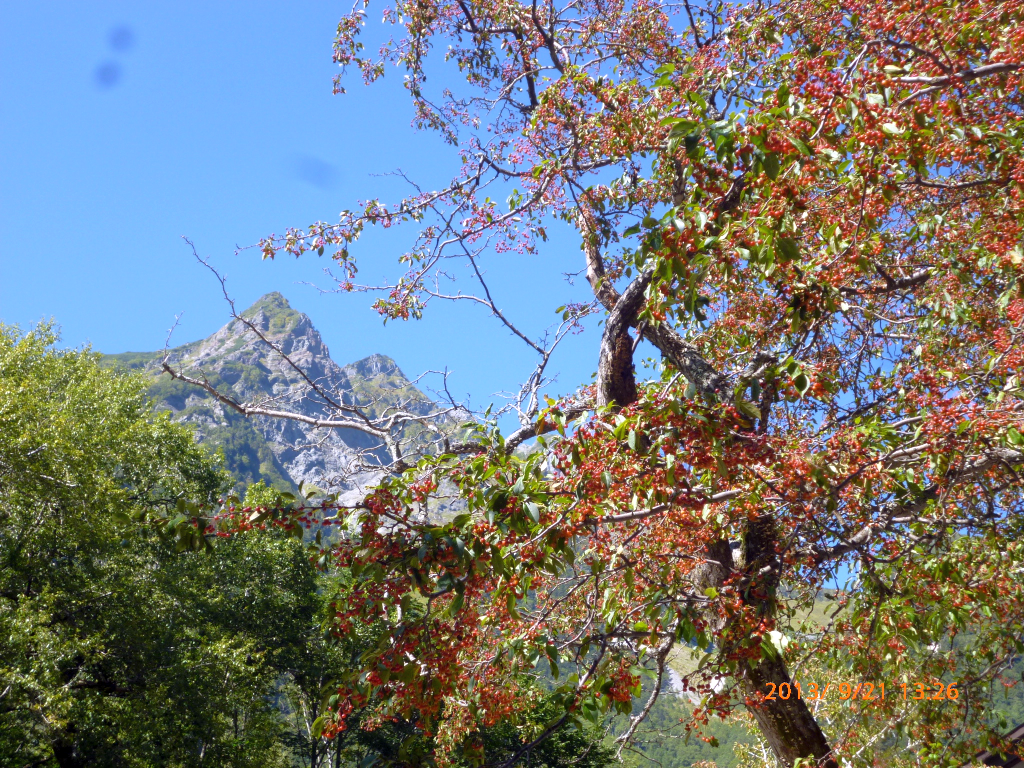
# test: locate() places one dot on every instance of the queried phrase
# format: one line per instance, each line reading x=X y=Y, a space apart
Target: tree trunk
x=787 y=724
x=65 y=751
x=616 y=382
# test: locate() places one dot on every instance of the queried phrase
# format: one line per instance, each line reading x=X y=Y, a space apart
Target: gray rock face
x=246 y=369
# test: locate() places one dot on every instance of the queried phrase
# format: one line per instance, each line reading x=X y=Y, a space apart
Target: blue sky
x=124 y=126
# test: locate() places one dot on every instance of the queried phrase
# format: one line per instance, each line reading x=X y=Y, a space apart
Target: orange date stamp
x=862 y=691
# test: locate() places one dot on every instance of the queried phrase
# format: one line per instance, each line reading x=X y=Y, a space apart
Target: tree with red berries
x=813 y=211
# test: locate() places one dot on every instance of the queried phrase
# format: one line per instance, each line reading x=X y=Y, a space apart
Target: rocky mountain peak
x=244 y=367
x=273 y=315
x=272 y=303
x=374 y=365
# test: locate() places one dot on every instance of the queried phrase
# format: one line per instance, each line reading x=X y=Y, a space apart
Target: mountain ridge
x=238 y=363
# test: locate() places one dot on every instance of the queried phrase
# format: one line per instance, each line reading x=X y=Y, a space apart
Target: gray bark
x=788 y=726
x=616 y=382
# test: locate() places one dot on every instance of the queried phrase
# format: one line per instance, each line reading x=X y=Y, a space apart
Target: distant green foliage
x=566 y=747
x=1008 y=702
x=135 y=361
x=247 y=456
x=662 y=739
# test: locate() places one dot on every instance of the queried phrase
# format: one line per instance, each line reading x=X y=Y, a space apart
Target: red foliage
x=828 y=201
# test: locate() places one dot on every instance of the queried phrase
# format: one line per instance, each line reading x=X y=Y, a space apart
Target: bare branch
x=902 y=513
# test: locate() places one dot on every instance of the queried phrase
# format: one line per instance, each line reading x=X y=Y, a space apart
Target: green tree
x=117 y=650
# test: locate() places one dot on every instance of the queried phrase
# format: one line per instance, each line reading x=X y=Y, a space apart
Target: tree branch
x=616 y=383
x=902 y=513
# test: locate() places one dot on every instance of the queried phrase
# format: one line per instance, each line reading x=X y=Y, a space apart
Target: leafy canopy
x=122 y=646
x=813 y=210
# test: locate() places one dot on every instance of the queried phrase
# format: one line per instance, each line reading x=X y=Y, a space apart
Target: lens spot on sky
x=122 y=38
x=108 y=74
x=315 y=171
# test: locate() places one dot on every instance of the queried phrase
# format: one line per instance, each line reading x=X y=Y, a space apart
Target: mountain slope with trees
x=245 y=367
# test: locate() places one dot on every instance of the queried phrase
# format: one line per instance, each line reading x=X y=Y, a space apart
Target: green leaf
x=682 y=128
x=316 y=730
x=692 y=143
x=788 y=248
x=456 y=605
x=768 y=649
x=748 y=409
x=771 y=165
x=498 y=499
x=802 y=383
x=533 y=511
x=801 y=147
x=510 y=605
